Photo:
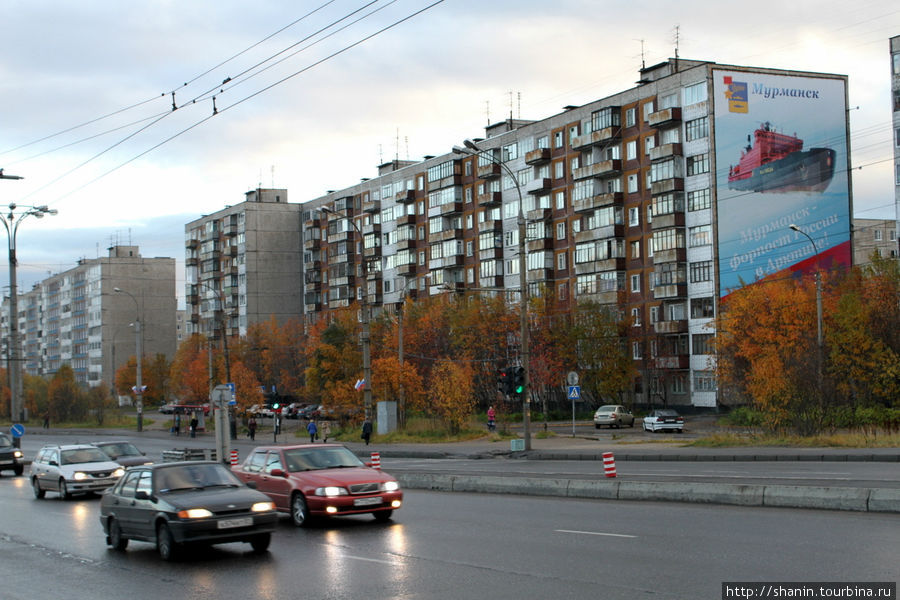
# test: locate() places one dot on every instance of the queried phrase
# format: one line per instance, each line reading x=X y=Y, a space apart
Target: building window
x=698 y=199
x=668 y=101
x=561 y=261
x=562 y=293
x=701 y=271
x=559 y=169
x=561 y=231
x=648 y=110
x=635 y=249
x=702 y=343
x=704 y=381
x=633 y=187
x=636 y=350
x=877 y=233
x=634 y=216
x=635 y=317
x=697 y=164
x=631 y=150
x=560 y=200
x=702 y=308
x=693 y=94
x=700 y=235
x=636 y=283
x=696 y=129
x=630 y=117
x=649 y=144
x=558 y=139
x=654 y=314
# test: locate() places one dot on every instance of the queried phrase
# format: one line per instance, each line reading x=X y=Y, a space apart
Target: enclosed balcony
x=666 y=151
x=673 y=184
x=405 y=197
x=604 y=168
x=538 y=156
x=489 y=171
x=539 y=186
x=596 y=138
x=599 y=201
x=490 y=199
x=667 y=117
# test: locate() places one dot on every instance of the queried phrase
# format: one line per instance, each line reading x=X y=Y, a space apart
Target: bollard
x=234 y=457
x=376 y=460
x=609 y=464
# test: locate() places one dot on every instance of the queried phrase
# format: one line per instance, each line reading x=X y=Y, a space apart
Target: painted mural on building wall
x=781 y=147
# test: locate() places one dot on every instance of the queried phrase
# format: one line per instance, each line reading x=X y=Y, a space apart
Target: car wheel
x=631 y=424
x=63 y=490
x=596 y=426
x=165 y=543
x=383 y=516
x=261 y=542
x=115 y=539
x=299 y=510
x=36 y=487
x=680 y=430
x=18 y=470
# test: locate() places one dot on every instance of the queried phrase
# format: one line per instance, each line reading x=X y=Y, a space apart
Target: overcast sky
x=337 y=106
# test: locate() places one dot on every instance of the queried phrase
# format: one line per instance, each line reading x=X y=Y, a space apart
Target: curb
x=881 y=500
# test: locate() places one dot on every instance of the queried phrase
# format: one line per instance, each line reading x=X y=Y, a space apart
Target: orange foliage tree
x=450 y=393
x=190 y=371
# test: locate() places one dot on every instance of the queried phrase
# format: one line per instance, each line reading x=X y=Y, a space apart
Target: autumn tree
x=597 y=332
x=334 y=362
x=190 y=371
x=402 y=384
x=246 y=387
x=65 y=398
x=450 y=394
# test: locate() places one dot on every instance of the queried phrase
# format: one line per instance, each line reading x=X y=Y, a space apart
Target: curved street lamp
x=820 y=337
x=364 y=306
x=11 y=221
x=473 y=150
x=232 y=419
x=139 y=351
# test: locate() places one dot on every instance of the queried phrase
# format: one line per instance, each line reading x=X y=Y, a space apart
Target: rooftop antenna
x=380 y=155
x=677 y=41
x=519 y=106
x=510 y=105
x=273 y=177
x=406 y=142
x=487 y=104
x=397 y=144
x=643 y=56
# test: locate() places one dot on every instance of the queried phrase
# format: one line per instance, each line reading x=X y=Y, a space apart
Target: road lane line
x=374 y=560
x=621 y=535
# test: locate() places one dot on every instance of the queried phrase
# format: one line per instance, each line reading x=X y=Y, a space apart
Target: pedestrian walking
x=313 y=431
x=176 y=427
x=194 y=423
x=251 y=427
x=367 y=430
x=47 y=420
x=491 y=418
x=326 y=431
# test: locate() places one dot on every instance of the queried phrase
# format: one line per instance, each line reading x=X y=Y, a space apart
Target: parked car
x=187 y=409
x=664 y=419
x=73 y=469
x=179 y=503
x=123 y=452
x=293 y=410
x=311 y=411
x=311 y=481
x=260 y=410
x=11 y=458
x=167 y=409
x=613 y=415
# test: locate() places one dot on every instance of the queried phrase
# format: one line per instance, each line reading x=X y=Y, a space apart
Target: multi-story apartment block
x=78 y=318
x=243 y=265
x=649 y=201
x=870 y=235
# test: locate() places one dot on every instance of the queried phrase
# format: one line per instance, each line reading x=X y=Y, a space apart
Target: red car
x=311 y=481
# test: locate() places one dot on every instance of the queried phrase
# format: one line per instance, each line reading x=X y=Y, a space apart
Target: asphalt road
x=450 y=546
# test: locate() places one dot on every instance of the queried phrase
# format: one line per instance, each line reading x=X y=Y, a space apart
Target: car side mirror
x=250 y=484
x=142 y=495
x=53 y=463
x=278 y=473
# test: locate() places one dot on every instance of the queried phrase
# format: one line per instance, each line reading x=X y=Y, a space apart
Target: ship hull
x=802 y=171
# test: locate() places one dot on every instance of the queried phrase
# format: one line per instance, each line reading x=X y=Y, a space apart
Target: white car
x=73 y=469
x=664 y=419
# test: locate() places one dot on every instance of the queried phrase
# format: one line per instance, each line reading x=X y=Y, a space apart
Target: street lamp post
x=364 y=305
x=473 y=150
x=138 y=343
x=232 y=424
x=11 y=221
x=820 y=331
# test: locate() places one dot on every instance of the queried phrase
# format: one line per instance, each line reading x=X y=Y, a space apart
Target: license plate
x=366 y=501
x=239 y=522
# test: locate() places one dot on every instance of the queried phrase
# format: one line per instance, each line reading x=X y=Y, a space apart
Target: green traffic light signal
x=519 y=380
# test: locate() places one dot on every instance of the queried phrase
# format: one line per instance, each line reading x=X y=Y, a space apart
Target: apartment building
x=78 y=318
x=243 y=265
x=870 y=235
x=895 y=104
x=657 y=201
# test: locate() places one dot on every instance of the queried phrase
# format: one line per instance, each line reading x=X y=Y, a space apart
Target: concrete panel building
x=243 y=265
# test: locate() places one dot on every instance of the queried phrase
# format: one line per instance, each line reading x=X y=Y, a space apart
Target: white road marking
x=374 y=560
x=621 y=535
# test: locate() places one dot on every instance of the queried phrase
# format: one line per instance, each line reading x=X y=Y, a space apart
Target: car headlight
x=331 y=491
x=79 y=476
x=390 y=486
x=18 y=454
x=262 y=506
x=194 y=513
x=118 y=472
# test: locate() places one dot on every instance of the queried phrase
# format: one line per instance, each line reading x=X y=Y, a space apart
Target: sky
x=313 y=96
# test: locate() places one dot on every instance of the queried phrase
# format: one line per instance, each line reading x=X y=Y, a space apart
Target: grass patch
x=836 y=440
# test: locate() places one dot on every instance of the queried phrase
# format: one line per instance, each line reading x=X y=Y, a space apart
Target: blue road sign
x=17 y=430
x=574 y=392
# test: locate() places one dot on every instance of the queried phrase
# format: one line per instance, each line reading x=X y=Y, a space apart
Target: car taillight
x=679 y=419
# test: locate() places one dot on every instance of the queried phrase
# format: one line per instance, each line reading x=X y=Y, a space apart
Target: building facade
x=243 y=265
x=78 y=318
x=895 y=105
x=870 y=235
x=647 y=201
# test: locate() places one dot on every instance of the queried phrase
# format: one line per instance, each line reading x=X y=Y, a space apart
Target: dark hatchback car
x=174 y=505
x=124 y=453
x=11 y=458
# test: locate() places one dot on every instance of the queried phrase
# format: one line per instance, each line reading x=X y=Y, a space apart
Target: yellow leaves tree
x=450 y=394
x=402 y=384
x=190 y=371
x=246 y=387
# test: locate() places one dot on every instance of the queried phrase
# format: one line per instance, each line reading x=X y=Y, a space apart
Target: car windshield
x=193 y=477
x=666 y=413
x=313 y=459
x=120 y=449
x=82 y=455
x=608 y=408
x=5 y=440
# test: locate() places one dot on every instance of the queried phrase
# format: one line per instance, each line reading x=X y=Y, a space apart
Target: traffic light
x=503 y=381
x=518 y=380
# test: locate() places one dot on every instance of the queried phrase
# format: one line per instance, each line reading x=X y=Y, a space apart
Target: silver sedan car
x=613 y=415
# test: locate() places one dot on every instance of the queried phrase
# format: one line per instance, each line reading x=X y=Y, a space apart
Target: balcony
x=372 y=228
x=666 y=117
x=405 y=197
x=451 y=208
x=600 y=233
x=678 y=362
x=668 y=220
x=444 y=182
x=599 y=266
x=447 y=234
x=490 y=199
x=672 y=290
x=406 y=220
x=313 y=265
x=611 y=297
x=314 y=307
x=342 y=303
x=339 y=236
x=406 y=270
x=667 y=256
x=490 y=225
x=372 y=252
x=407 y=244
x=191 y=243
x=312 y=286
x=673 y=184
x=539 y=186
x=544 y=243
x=538 y=214
x=192 y=261
x=371 y=206
x=597 y=138
x=230 y=229
x=604 y=168
x=490 y=254
x=599 y=201
x=490 y=171
x=666 y=151
x=538 y=156
x=540 y=274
